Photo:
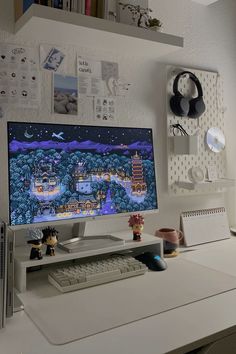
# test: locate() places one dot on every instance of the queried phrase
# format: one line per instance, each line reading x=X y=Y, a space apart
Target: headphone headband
x=192 y=77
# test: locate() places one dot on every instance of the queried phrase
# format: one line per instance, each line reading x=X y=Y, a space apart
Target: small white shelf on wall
x=205 y=2
x=206 y=186
x=53 y=25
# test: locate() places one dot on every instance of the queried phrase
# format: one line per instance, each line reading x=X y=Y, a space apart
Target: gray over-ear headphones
x=187 y=107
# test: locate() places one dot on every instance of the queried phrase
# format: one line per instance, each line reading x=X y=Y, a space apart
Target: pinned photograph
x=53 y=60
x=65 y=94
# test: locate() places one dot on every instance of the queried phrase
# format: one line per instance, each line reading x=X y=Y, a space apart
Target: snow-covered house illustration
x=44 y=177
x=81 y=180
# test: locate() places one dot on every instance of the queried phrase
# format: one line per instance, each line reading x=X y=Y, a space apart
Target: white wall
x=209 y=34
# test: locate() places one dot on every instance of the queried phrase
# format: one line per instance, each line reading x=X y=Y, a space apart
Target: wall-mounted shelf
x=53 y=25
x=206 y=185
x=205 y=2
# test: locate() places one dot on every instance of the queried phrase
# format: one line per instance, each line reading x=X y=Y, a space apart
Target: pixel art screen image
x=59 y=172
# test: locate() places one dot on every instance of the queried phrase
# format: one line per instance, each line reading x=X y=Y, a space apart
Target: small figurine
x=136 y=221
x=35 y=239
x=50 y=239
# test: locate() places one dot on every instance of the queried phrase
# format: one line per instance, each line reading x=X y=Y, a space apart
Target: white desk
x=175 y=331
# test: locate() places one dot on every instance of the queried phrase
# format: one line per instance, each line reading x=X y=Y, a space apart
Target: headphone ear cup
x=196 y=107
x=179 y=105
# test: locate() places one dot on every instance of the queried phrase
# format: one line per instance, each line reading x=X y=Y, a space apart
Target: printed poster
x=19 y=76
x=90 y=77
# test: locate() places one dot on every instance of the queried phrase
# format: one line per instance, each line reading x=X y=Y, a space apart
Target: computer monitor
x=61 y=172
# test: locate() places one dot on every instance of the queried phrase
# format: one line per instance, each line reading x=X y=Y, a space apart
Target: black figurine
x=50 y=239
x=35 y=252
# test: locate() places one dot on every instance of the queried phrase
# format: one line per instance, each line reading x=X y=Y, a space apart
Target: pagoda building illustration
x=138 y=185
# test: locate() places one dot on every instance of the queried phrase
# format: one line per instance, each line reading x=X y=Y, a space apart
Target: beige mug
x=171 y=239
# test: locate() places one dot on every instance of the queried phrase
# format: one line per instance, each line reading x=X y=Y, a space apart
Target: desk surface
x=175 y=331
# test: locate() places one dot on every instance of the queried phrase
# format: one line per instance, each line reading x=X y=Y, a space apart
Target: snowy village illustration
x=68 y=171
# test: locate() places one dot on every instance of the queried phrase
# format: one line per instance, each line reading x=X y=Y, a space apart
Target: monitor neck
x=78 y=229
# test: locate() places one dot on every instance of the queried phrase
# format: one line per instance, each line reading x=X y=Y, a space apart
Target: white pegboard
x=178 y=165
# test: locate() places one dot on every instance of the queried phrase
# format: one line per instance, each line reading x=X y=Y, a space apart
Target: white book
x=66 y=5
x=79 y=6
x=110 y=9
x=74 y=5
x=83 y=7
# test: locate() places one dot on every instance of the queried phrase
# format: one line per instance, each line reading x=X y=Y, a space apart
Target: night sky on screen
x=30 y=132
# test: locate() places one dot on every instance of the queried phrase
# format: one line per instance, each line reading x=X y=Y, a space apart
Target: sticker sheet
x=19 y=76
x=104 y=108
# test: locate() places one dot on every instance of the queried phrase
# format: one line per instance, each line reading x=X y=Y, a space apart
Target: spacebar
x=104 y=275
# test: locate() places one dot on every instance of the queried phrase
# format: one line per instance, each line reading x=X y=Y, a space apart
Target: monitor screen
x=61 y=172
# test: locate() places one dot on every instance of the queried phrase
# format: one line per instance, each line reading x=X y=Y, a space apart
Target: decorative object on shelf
x=171 y=239
x=50 y=239
x=35 y=240
x=136 y=221
x=212 y=172
x=183 y=106
x=155 y=24
x=196 y=174
x=215 y=139
x=139 y=14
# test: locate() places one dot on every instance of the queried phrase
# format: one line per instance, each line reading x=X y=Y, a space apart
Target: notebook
x=206 y=225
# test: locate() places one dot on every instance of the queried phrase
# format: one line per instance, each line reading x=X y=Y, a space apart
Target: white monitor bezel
x=76 y=219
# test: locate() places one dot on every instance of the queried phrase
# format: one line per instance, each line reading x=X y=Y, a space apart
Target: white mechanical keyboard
x=80 y=276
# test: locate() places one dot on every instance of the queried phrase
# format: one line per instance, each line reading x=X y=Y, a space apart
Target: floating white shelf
x=205 y=2
x=53 y=25
x=206 y=186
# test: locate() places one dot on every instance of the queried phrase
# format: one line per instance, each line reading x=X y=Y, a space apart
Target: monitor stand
x=87 y=243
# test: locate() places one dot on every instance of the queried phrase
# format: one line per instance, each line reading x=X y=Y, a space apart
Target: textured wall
x=209 y=34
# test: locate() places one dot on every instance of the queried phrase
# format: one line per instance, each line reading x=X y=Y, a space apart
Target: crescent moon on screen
x=27 y=135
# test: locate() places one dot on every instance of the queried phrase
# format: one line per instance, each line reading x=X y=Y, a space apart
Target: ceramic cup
x=171 y=239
